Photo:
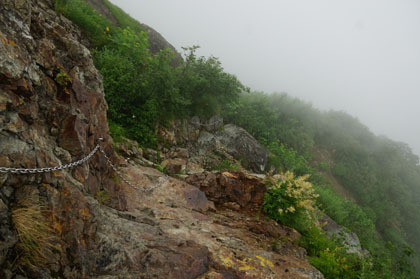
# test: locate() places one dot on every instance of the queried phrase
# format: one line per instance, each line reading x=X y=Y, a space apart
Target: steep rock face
x=209 y=143
x=52 y=110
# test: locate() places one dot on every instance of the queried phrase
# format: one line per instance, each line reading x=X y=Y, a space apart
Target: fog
x=360 y=56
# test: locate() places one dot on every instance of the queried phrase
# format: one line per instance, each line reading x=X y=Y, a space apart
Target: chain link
x=128 y=182
x=50 y=169
x=79 y=162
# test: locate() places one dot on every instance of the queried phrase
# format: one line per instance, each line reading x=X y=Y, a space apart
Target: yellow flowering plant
x=288 y=197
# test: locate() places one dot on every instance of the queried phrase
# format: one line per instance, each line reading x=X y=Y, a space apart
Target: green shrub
x=336 y=263
x=117 y=131
x=289 y=199
x=205 y=83
x=286 y=159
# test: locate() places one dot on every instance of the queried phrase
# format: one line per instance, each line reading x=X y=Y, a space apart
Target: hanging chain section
x=79 y=162
x=42 y=170
x=128 y=182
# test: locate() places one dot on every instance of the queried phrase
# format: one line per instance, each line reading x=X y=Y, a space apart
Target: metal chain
x=128 y=182
x=79 y=162
x=50 y=169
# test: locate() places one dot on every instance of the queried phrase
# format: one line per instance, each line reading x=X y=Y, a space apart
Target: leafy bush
x=289 y=199
x=286 y=159
x=206 y=84
x=141 y=88
x=116 y=131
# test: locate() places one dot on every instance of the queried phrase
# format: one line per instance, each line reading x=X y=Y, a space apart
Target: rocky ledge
x=176 y=232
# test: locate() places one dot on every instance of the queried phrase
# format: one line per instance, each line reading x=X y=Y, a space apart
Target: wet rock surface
x=238 y=242
x=52 y=110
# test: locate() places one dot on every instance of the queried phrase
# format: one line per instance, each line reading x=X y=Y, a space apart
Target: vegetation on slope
x=143 y=89
x=139 y=84
x=383 y=176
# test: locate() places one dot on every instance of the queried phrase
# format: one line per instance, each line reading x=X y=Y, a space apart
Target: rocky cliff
x=83 y=222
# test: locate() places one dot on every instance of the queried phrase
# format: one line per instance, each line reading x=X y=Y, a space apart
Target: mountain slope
x=386 y=194
x=83 y=222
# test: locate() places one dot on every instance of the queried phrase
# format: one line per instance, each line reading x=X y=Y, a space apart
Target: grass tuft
x=37 y=240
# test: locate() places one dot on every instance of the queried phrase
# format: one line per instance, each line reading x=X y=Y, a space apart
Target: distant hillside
x=383 y=176
x=118 y=17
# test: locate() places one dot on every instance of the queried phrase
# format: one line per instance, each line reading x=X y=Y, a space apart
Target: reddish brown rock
x=73 y=135
x=35 y=45
x=230 y=186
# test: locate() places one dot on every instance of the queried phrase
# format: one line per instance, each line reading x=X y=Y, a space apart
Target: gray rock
x=214 y=124
x=244 y=147
x=349 y=239
x=206 y=139
x=210 y=143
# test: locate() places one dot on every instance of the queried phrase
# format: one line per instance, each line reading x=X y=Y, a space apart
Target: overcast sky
x=360 y=56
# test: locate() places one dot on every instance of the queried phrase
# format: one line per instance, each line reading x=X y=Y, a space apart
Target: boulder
x=244 y=147
x=209 y=143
